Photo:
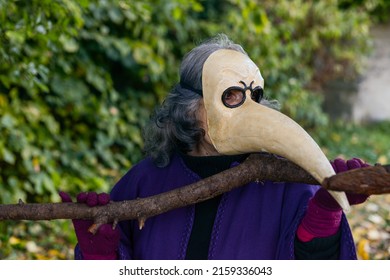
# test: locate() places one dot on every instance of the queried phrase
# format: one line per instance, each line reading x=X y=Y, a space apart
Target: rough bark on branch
x=257 y=167
x=369 y=180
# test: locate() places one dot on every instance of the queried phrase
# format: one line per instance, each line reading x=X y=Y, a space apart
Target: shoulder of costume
x=145 y=178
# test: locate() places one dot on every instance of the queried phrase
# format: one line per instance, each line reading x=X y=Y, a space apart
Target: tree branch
x=257 y=167
x=369 y=180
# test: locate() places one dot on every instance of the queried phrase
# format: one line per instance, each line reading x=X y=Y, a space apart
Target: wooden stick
x=257 y=167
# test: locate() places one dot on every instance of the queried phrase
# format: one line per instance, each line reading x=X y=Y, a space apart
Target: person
x=207 y=125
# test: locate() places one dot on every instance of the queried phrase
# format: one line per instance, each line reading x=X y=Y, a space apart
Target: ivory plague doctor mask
x=237 y=123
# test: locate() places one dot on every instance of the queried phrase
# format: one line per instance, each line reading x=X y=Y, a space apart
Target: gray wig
x=174 y=125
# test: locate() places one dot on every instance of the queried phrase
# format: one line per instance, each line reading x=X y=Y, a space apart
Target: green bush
x=378 y=9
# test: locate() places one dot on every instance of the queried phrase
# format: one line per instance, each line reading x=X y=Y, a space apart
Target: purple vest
x=255 y=221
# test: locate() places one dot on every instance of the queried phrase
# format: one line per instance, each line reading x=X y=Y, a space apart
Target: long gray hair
x=174 y=125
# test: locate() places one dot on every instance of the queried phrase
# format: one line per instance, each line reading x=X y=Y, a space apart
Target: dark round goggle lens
x=257 y=94
x=233 y=97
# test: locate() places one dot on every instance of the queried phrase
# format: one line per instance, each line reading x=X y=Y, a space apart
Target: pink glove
x=104 y=244
x=323 y=216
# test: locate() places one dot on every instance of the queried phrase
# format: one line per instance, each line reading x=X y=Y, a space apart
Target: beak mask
x=238 y=123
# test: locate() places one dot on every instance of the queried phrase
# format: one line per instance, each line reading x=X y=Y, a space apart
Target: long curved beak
x=255 y=127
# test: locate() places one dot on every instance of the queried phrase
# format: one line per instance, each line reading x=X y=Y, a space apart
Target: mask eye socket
x=257 y=94
x=233 y=97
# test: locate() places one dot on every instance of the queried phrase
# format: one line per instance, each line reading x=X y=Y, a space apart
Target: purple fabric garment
x=256 y=221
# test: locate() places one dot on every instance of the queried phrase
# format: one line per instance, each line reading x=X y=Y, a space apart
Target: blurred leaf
x=69 y=44
x=363 y=249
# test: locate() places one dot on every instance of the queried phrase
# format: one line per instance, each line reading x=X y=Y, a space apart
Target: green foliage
x=369 y=142
x=79 y=79
x=378 y=9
